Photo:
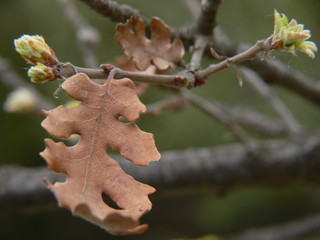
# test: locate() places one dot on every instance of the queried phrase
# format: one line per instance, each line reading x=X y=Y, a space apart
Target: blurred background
x=174 y=214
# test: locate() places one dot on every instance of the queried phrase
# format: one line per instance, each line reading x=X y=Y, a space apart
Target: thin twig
x=198 y=50
x=256 y=81
x=178 y=80
x=260 y=46
x=88 y=37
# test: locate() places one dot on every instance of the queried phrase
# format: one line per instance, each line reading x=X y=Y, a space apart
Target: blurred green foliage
x=174 y=215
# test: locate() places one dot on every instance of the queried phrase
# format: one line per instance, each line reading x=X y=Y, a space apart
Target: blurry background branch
x=223 y=168
x=111 y=9
x=290 y=231
x=88 y=37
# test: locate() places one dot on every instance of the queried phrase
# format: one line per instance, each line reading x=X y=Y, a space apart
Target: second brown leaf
x=159 y=50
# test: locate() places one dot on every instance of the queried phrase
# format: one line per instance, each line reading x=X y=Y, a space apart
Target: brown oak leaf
x=90 y=171
x=159 y=50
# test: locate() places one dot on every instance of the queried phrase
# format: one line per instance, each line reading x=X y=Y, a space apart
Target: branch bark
x=207 y=19
x=224 y=168
x=244 y=56
x=111 y=9
x=289 y=231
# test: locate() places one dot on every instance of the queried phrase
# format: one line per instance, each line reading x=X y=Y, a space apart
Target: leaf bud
x=35 y=50
x=41 y=73
x=291 y=36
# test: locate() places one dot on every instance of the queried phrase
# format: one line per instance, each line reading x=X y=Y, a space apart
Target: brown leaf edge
x=81 y=193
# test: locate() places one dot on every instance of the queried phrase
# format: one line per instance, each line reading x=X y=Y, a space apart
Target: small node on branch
x=107 y=68
x=181 y=80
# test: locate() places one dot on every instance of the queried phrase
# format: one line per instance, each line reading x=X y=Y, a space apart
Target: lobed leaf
x=159 y=50
x=90 y=171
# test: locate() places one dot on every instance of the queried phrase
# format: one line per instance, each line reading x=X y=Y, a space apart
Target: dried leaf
x=158 y=50
x=90 y=171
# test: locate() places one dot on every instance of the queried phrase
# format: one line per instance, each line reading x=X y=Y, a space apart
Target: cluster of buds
x=291 y=36
x=37 y=52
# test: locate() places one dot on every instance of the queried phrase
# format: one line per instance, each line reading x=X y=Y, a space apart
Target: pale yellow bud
x=41 y=73
x=291 y=36
x=35 y=50
x=20 y=100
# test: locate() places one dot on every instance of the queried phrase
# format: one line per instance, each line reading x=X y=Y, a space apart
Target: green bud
x=291 y=36
x=35 y=50
x=41 y=73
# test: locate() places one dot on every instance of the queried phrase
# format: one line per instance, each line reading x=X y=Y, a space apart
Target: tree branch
x=207 y=19
x=289 y=231
x=260 y=46
x=182 y=79
x=113 y=10
x=197 y=54
x=282 y=162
